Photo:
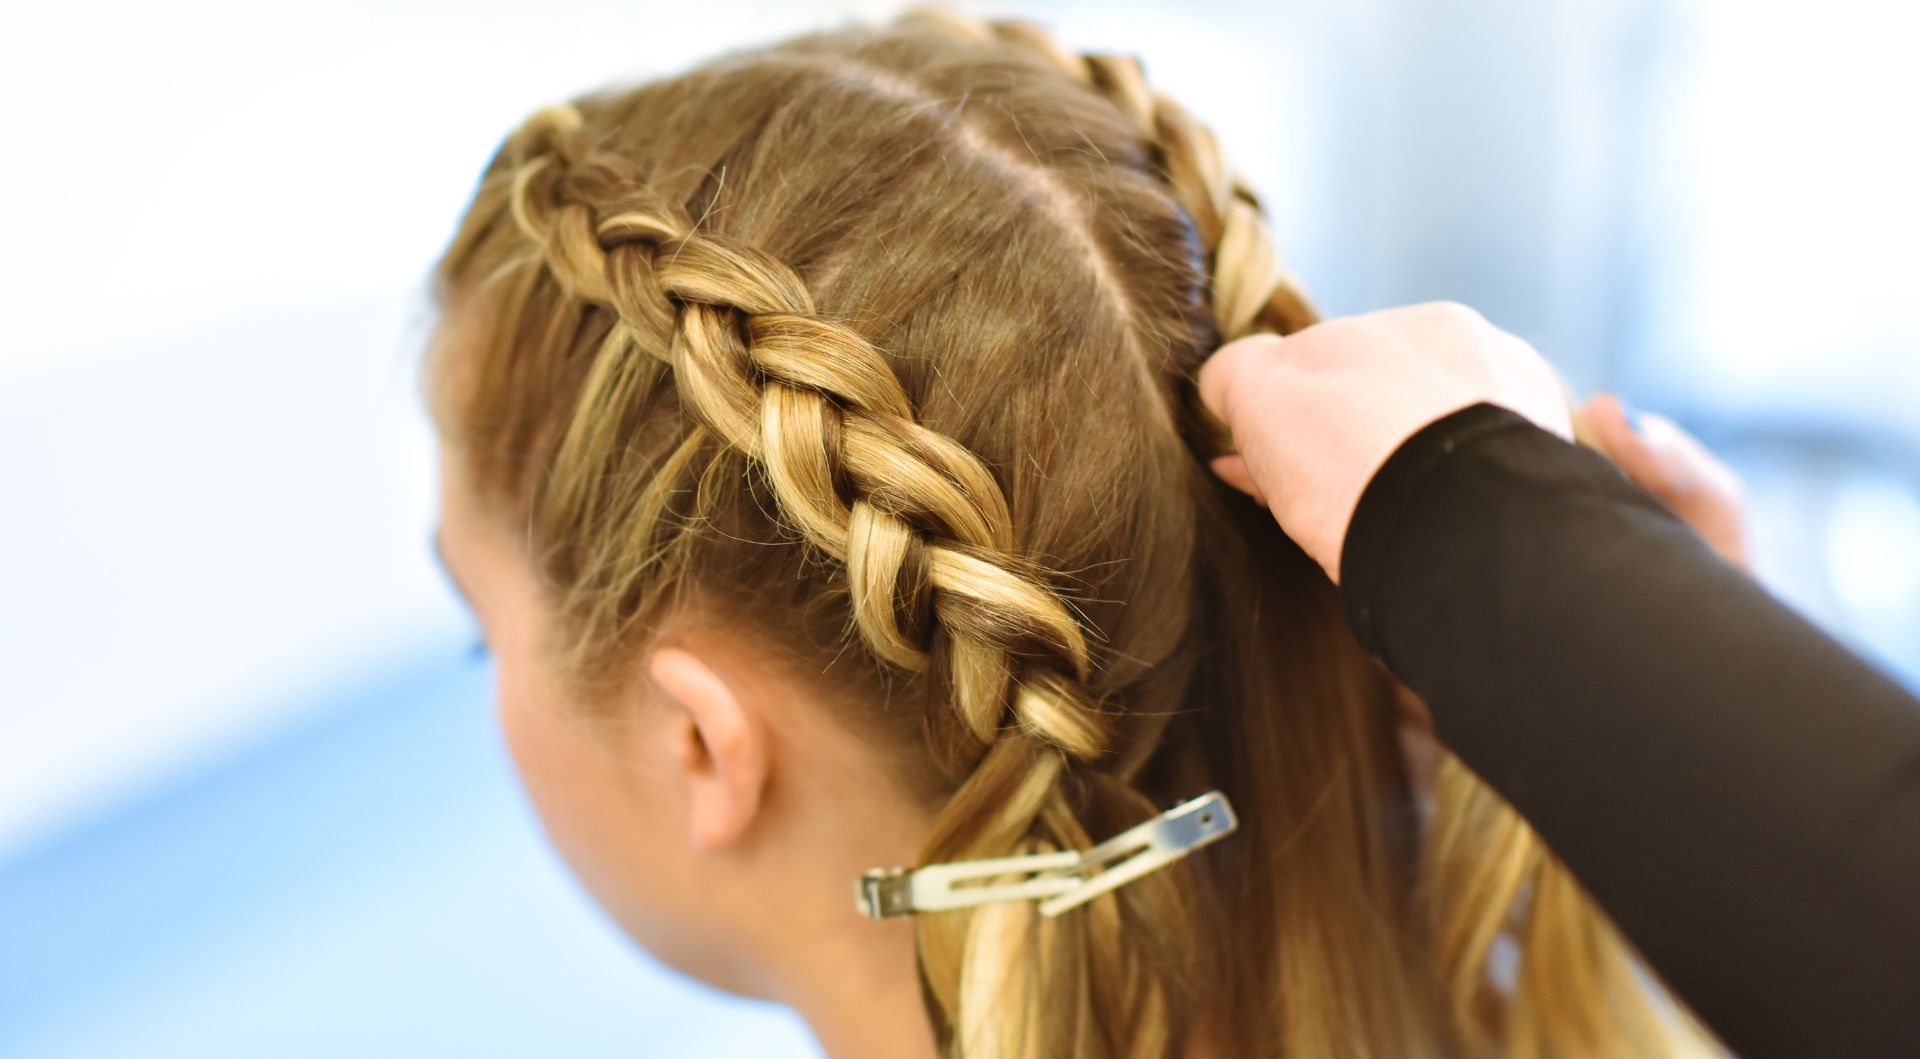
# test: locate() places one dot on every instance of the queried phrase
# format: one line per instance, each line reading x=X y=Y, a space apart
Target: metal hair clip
x=1061 y=878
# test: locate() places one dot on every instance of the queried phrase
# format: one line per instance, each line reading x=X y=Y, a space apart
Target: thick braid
x=920 y=523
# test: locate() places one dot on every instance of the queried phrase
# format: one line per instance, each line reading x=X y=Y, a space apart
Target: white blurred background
x=238 y=734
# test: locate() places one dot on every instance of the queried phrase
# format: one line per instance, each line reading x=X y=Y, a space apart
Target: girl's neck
x=862 y=996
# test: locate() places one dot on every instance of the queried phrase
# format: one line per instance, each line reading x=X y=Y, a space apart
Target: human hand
x=1314 y=415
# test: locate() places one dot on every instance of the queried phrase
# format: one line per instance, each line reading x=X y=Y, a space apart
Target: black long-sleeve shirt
x=1739 y=791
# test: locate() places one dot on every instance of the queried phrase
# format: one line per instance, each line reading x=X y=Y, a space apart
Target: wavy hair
x=882 y=342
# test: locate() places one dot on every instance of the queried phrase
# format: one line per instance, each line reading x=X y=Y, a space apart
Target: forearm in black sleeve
x=1739 y=791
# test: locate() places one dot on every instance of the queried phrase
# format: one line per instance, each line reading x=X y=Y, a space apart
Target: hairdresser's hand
x=1315 y=414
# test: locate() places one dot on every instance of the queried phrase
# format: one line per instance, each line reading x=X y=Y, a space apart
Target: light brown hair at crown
x=881 y=341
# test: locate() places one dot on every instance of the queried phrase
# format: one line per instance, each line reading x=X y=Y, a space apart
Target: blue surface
x=368 y=884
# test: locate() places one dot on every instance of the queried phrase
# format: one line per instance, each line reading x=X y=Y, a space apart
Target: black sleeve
x=1739 y=791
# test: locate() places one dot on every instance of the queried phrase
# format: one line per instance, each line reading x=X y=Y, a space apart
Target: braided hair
x=884 y=340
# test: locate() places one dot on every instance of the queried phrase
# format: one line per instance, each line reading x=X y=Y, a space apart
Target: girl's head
x=822 y=460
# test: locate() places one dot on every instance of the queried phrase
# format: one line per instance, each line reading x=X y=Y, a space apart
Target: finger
x=1708 y=494
x=1226 y=370
x=1672 y=465
x=1232 y=469
x=1607 y=418
x=1686 y=460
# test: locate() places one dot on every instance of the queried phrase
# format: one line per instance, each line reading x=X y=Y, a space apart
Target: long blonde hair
x=882 y=340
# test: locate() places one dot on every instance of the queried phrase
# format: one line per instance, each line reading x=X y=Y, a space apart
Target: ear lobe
x=724 y=761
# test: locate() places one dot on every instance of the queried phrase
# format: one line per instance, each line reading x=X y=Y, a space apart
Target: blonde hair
x=881 y=342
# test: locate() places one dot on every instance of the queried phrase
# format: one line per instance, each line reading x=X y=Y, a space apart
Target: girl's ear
x=721 y=747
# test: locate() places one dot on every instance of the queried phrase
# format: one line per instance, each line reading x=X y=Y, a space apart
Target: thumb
x=1232 y=469
x=1225 y=374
